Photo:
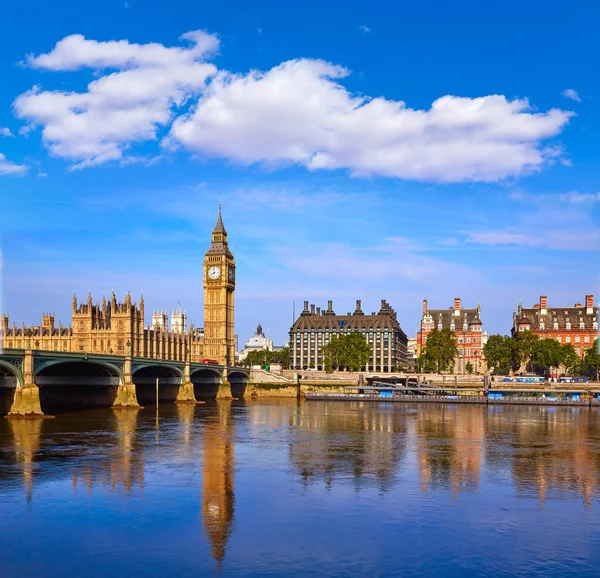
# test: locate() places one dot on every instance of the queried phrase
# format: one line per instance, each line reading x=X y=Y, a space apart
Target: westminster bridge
x=34 y=382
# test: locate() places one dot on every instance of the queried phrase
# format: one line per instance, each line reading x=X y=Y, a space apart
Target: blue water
x=282 y=488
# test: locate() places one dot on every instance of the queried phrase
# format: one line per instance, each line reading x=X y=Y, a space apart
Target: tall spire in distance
x=219 y=227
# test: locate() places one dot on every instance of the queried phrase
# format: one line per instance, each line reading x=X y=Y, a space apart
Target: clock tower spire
x=219 y=287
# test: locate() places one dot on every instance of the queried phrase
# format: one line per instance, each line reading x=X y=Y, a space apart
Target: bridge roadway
x=34 y=382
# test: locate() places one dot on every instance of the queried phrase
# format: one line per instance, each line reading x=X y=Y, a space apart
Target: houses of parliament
x=118 y=328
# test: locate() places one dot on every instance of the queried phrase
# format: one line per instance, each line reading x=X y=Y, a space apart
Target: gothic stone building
x=314 y=328
x=577 y=325
x=466 y=324
x=110 y=328
x=118 y=328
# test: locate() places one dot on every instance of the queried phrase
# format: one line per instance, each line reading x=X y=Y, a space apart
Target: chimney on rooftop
x=424 y=306
x=358 y=310
x=312 y=309
x=457 y=306
x=306 y=306
x=318 y=311
x=543 y=304
x=589 y=304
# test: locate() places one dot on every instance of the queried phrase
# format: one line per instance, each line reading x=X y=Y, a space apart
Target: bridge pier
x=26 y=402
x=186 y=389
x=126 y=395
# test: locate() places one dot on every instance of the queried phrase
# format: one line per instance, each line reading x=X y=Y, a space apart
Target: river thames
x=287 y=488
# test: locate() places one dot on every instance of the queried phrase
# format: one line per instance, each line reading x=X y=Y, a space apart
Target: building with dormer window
x=466 y=325
x=577 y=325
x=314 y=328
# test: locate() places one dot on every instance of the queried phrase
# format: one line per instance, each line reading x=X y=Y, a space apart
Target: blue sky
x=389 y=150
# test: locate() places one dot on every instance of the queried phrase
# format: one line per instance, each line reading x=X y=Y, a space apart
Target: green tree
x=283 y=357
x=522 y=345
x=440 y=350
x=498 y=353
x=570 y=360
x=592 y=359
x=547 y=353
x=357 y=351
x=263 y=358
x=347 y=351
x=426 y=364
x=332 y=353
x=469 y=368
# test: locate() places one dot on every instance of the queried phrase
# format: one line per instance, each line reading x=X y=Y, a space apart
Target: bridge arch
x=238 y=381
x=206 y=382
x=113 y=369
x=144 y=377
x=10 y=375
x=10 y=378
x=67 y=384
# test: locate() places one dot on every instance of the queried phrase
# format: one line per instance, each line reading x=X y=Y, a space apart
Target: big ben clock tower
x=219 y=285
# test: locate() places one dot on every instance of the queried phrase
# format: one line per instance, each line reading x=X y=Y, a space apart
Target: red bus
x=210 y=361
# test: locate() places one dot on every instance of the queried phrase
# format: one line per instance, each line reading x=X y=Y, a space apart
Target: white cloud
x=296 y=113
x=8 y=168
x=571 y=94
x=580 y=198
x=5 y=132
x=129 y=102
x=502 y=238
x=365 y=29
x=299 y=113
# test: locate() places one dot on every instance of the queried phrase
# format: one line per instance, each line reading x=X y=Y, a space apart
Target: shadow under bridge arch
x=67 y=385
x=10 y=379
x=145 y=377
x=238 y=381
x=206 y=383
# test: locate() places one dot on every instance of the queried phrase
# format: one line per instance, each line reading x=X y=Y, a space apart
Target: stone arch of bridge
x=145 y=377
x=75 y=384
x=206 y=382
x=238 y=380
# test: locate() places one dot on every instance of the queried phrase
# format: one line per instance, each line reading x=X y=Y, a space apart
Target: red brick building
x=466 y=324
x=577 y=325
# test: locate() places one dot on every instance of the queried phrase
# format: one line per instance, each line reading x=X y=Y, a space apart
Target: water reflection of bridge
x=114 y=453
x=37 y=382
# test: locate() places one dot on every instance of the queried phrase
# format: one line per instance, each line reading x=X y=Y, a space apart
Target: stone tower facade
x=219 y=287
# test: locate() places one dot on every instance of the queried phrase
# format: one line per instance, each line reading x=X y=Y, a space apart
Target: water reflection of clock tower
x=219 y=287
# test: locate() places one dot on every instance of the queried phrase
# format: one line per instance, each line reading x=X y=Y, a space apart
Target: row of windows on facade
x=577 y=339
x=453 y=327
x=568 y=326
x=326 y=337
x=363 y=330
x=313 y=350
x=464 y=340
x=461 y=352
x=326 y=341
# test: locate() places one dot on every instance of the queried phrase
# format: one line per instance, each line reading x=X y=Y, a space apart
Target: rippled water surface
x=317 y=488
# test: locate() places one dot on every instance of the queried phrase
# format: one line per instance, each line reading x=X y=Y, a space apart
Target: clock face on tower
x=214 y=272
